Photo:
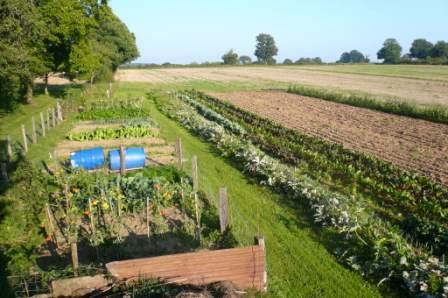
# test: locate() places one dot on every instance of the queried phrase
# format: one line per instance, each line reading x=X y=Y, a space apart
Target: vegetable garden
x=394 y=222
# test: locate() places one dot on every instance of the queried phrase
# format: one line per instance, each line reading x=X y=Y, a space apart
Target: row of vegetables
x=416 y=204
x=123 y=109
x=108 y=133
x=377 y=247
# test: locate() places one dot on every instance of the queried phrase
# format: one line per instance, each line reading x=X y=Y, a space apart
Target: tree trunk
x=29 y=92
x=46 y=83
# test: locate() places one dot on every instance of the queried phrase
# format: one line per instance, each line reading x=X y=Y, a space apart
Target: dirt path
x=411 y=144
x=414 y=90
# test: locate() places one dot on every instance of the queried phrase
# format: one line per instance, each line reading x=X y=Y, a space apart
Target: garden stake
x=25 y=141
x=42 y=123
x=33 y=126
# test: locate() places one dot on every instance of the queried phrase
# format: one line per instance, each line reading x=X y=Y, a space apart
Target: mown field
x=425 y=85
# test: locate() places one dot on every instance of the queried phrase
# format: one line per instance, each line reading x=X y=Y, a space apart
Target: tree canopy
x=421 y=49
x=82 y=38
x=354 y=56
x=265 y=49
x=390 y=52
x=245 y=59
x=230 y=57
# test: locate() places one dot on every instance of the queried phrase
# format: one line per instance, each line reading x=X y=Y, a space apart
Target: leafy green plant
x=113 y=133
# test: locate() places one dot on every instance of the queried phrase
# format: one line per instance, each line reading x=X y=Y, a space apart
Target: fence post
x=110 y=88
x=147 y=217
x=223 y=209
x=195 y=176
x=74 y=250
x=42 y=123
x=179 y=152
x=53 y=117
x=33 y=127
x=25 y=141
x=9 y=147
x=92 y=224
x=48 y=119
x=59 y=110
x=55 y=159
x=122 y=160
x=4 y=172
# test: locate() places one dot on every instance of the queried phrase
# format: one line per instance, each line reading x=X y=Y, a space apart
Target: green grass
x=420 y=72
x=300 y=263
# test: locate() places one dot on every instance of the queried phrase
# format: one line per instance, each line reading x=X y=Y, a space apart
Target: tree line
x=80 y=38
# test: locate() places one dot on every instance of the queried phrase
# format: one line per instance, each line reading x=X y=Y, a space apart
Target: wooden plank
x=79 y=286
x=244 y=267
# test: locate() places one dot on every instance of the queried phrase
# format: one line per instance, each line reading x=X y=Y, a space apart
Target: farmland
x=351 y=201
x=409 y=83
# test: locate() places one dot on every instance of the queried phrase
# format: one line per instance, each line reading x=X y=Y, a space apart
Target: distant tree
x=421 y=49
x=266 y=49
x=440 y=50
x=316 y=60
x=354 y=56
x=245 y=59
x=406 y=58
x=287 y=61
x=390 y=52
x=230 y=57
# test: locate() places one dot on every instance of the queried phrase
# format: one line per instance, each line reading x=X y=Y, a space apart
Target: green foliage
x=390 y=52
x=230 y=57
x=113 y=133
x=421 y=48
x=245 y=59
x=265 y=49
x=303 y=61
x=354 y=56
x=112 y=113
x=437 y=114
x=440 y=50
x=20 y=232
x=288 y=61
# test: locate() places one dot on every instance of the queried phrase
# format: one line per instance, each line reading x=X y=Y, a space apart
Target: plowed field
x=411 y=144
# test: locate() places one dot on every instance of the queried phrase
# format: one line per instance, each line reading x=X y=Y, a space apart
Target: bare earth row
x=411 y=144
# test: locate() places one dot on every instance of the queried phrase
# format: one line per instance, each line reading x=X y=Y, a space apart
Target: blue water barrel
x=89 y=159
x=135 y=158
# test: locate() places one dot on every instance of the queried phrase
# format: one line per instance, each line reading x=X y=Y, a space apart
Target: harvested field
x=421 y=90
x=411 y=144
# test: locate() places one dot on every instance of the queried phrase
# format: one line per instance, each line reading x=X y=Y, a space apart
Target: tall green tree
x=390 y=52
x=421 y=48
x=354 y=56
x=440 y=50
x=21 y=51
x=245 y=59
x=266 y=49
x=230 y=57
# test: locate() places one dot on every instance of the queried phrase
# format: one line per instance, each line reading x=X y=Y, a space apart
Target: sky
x=185 y=31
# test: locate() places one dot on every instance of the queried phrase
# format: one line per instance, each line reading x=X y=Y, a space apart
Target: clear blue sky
x=182 y=31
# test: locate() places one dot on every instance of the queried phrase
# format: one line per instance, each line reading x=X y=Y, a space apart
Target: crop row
x=139 y=131
x=380 y=249
x=112 y=113
x=417 y=204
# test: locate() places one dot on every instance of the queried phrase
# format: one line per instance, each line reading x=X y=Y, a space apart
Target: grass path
x=299 y=265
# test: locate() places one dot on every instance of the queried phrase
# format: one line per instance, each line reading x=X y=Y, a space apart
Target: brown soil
x=411 y=144
x=414 y=90
x=89 y=125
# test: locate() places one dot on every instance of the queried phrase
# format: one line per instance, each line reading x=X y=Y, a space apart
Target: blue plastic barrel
x=89 y=159
x=135 y=158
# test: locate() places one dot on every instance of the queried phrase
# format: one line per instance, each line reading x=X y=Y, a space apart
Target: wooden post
x=50 y=219
x=74 y=250
x=33 y=127
x=179 y=153
x=92 y=224
x=110 y=88
x=194 y=173
x=25 y=141
x=53 y=117
x=194 y=169
x=147 y=217
x=4 y=172
x=223 y=209
x=42 y=123
x=108 y=93
x=122 y=160
x=48 y=119
x=59 y=109
x=9 y=147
